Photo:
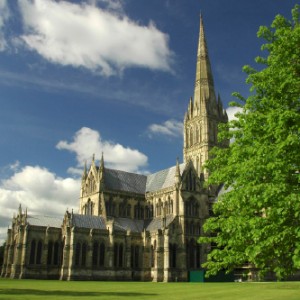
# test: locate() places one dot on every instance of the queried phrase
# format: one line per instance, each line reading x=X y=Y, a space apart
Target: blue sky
x=82 y=77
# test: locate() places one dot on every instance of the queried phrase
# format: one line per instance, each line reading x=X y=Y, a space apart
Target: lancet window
x=118 y=255
x=54 y=253
x=190 y=181
x=110 y=207
x=172 y=255
x=187 y=138
x=191 y=137
x=98 y=254
x=89 y=207
x=36 y=249
x=193 y=254
x=139 y=211
x=197 y=135
x=192 y=208
x=135 y=256
x=80 y=254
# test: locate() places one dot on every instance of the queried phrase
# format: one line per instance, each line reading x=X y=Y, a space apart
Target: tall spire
x=204 y=84
x=204 y=111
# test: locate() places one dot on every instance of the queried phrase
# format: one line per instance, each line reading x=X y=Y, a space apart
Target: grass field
x=56 y=290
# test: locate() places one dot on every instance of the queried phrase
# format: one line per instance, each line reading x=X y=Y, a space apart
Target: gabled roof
x=124 y=181
x=44 y=221
x=162 y=179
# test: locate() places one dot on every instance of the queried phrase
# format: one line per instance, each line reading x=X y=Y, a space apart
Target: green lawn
x=44 y=289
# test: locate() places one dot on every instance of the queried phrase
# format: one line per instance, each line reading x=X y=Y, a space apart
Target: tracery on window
x=192 y=208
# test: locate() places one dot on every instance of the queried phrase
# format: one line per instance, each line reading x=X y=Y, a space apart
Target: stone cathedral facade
x=129 y=226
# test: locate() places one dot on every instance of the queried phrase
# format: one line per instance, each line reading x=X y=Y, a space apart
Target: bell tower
x=205 y=111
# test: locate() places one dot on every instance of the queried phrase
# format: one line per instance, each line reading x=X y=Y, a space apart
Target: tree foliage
x=258 y=219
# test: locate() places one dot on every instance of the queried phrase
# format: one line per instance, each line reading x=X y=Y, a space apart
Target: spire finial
x=84 y=173
x=177 y=172
x=102 y=162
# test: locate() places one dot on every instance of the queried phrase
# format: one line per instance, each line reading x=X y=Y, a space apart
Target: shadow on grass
x=71 y=293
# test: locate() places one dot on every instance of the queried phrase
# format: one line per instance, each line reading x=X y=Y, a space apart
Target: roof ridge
x=166 y=169
x=110 y=169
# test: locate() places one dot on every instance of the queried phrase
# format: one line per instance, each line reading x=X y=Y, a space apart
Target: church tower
x=205 y=111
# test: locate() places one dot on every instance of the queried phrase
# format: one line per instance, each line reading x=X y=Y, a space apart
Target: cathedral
x=129 y=226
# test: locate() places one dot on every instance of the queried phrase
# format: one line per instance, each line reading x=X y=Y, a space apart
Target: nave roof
x=118 y=180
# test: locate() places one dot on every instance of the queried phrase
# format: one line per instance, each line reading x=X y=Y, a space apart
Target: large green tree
x=257 y=220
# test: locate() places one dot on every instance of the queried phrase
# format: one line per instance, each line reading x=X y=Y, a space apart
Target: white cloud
x=4 y=15
x=38 y=190
x=87 y=142
x=231 y=111
x=113 y=5
x=83 y=35
x=170 y=128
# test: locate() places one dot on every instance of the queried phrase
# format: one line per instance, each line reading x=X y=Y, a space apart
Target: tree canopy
x=257 y=219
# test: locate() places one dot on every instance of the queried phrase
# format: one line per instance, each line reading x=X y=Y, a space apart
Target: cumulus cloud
x=38 y=190
x=113 y=5
x=171 y=128
x=87 y=142
x=4 y=16
x=231 y=111
x=102 y=40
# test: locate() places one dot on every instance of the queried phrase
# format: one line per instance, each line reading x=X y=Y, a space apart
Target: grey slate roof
x=45 y=221
x=162 y=179
x=124 y=181
x=121 y=224
x=157 y=223
x=117 y=180
x=86 y=221
x=129 y=224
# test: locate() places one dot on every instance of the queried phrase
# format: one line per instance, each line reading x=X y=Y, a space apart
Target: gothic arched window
x=152 y=257
x=191 y=137
x=172 y=255
x=39 y=252
x=187 y=138
x=83 y=254
x=56 y=254
x=102 y=255
x=77 y=254
x=32 y=252
x=50 y=253
x=118 y=255
x=95 y=254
